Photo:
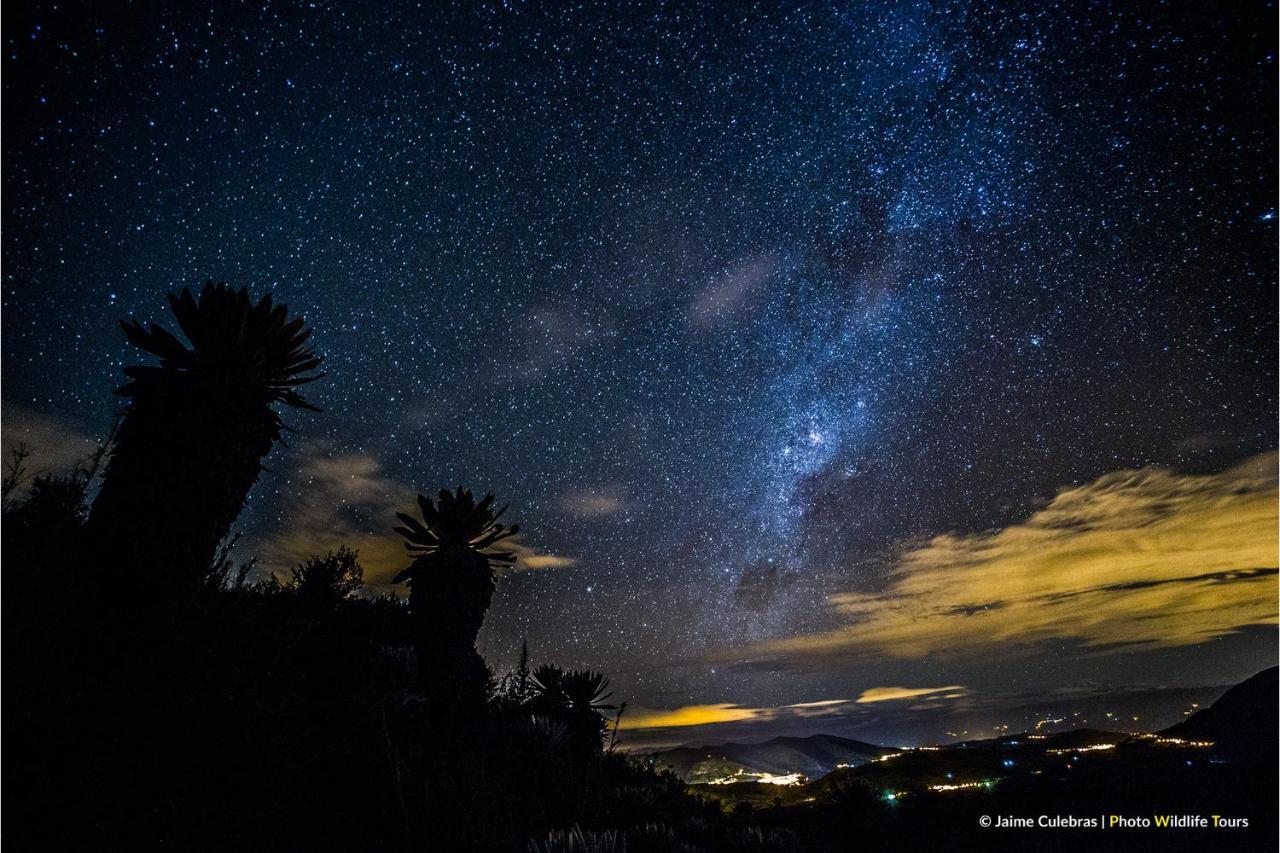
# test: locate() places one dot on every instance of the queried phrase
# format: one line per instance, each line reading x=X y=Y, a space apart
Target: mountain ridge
x=812 y=756
x=1240 y=722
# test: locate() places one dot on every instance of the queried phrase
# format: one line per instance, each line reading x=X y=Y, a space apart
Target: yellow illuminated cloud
x=704 y=715
x=528 y=558
x=689 y=715
x=890 y=694
x=1135 y=559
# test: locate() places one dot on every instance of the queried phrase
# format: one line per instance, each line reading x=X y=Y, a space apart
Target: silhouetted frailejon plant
x=451 y=582
x=586 y=703
x=191 y=443
x=547 y=696
x=451 y=585
x=577 y=698
x=586 y=693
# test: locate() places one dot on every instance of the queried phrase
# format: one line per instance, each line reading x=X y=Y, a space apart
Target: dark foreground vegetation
x=160 y=696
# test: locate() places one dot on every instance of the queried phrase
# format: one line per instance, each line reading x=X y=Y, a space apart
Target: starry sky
x=820 y=349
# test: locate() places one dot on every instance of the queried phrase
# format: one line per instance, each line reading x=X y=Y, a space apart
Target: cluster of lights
x=1177 y=741
x=961 y=786
x=903 y=750
x=1172 y=741
x=763 y=778
x=1090 y=748
x=800 y=779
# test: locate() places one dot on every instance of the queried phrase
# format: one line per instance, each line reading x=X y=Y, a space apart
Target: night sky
x=819 y=349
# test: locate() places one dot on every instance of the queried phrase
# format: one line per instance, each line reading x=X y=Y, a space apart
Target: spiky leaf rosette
x=456 y=524
x=586 y=692
x=198 y=425
x=546 y=680
x=456 y=547
x=580 y=699
x=256 y=348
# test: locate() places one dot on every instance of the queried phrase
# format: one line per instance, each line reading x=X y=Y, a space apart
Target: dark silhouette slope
x=1242 y=722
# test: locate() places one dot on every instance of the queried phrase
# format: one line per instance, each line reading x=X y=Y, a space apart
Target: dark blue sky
x=737 y=305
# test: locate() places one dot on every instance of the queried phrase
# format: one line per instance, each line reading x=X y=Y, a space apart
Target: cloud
x=529 y=558
x=347 y=499
x=1135 y=559
x=894 y=694
x=689 y=715
x=725 y=712
x=821 y=708
x=727 y=295
x=342 y=499
x=593 y=503
x=55 y=446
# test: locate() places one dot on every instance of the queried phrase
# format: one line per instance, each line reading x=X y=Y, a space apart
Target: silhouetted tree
x=54 y=505
x=522 y=685
x=226 y=575
x=324 y=582
x=44 y=512
x=516 y=687
x=15 y=472
x=198 y=425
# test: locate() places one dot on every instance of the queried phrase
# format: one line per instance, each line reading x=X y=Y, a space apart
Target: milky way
x=729 y=303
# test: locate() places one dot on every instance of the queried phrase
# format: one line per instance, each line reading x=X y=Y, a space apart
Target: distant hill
x=813 y=756
x=1242 y=722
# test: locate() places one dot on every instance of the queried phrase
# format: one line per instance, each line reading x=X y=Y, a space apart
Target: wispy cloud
x=347 y=499
x=530 y=558
x=594 y=502
x=896 y=694
x=1135 y=559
